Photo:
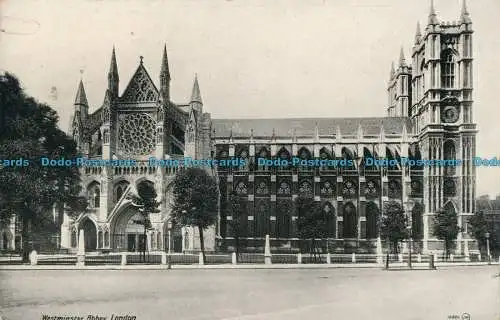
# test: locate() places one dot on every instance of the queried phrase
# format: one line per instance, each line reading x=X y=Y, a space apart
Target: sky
x=253 y=58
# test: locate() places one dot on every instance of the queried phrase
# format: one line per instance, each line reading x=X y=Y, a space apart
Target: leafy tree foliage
x=394 y=224
x=29 y=131
x=236 y=209
x=195 y=200
x=145 y=200
x=312 y=222
x=446 y=228
x=479 y=226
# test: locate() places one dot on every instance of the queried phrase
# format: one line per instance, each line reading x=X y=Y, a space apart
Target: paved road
x=253 y=294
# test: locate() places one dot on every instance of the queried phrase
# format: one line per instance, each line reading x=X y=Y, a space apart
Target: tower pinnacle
x=393 y=72
x=113 y=79
x=195 y=94
x=113 y=68
x=164 y=64
x=464 y=16
x=418 y=33
x=433 y=20
x=81 y=97
x=402 y=60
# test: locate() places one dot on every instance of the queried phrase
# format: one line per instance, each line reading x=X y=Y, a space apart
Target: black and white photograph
x=249 y=159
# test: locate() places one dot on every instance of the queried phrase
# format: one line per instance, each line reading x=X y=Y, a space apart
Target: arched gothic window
x=305 y=189
x=94 y=195
x=350 y=222
x=304 y=154
x=447 y=69
x=262 y=188
x=449 y=187
x=120 y=189
x=283 y=154
x=449 y=154
x=241 y=188
x=284 y=189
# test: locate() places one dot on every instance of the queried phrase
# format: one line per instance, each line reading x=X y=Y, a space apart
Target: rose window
x=349 y=189
x=262 y=188
x=327 y=188
x=241 y=188
x=284 y=189
x=244 y=154
x=371 y=188
x=223 y=154
x=305 y=189
x=137 y=134
x=394 y=189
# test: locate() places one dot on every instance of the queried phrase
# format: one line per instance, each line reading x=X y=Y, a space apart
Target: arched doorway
x=128 y=230
x=372 y=218
x=90 y=234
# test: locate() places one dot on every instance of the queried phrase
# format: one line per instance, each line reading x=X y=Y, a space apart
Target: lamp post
x=409 y=207
x=487 y=236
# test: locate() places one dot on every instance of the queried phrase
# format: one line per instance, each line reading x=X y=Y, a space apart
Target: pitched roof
x=286 y=127
x=140 y=88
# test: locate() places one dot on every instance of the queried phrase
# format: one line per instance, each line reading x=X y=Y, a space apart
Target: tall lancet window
x=94 y=195
x=448 y=69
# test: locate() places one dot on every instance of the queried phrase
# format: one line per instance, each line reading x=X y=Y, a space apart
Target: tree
x=195 y=200
x=236 y=207
x=479 y=226
x=312 y=222
x=28 y=132
x=446 y=228
x=145 y=200
x=393 y=225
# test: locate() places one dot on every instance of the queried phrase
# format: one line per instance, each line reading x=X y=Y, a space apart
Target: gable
x=140 y=88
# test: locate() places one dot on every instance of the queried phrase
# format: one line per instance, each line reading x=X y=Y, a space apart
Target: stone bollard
x=353 y=258
x=328 y=258
x=163 y=258
x=419 y=258
x=452 y=257
x=124 y=259
x=80 y=256
x=299 y=258
x=267 y=251
x=233 y=258
x=400 y=257
x=200 y=259
x=432 y=266
x=33 y=258
x=380 y=259
x=479 y=257
x=435 y=257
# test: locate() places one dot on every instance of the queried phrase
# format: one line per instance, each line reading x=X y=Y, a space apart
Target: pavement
x=458 y=292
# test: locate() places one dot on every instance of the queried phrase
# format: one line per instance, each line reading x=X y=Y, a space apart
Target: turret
x=165 y=77
x=196 y=102
x=81 y=103
x=113 y=79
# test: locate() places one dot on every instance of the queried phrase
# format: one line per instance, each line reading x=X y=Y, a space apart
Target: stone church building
x=429 y=115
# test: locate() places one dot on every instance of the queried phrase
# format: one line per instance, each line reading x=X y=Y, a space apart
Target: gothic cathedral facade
x=429 y=116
